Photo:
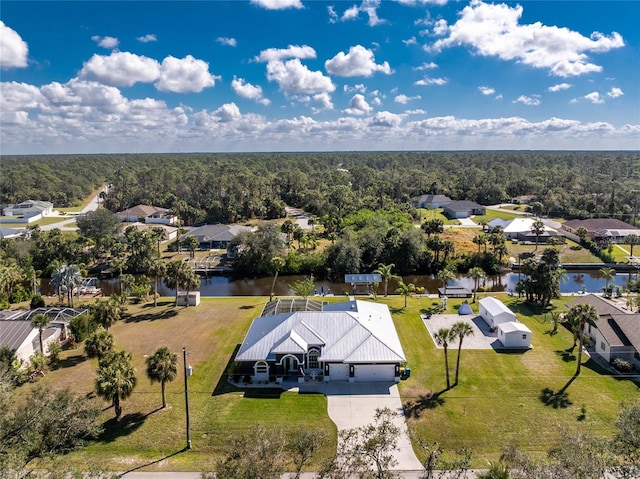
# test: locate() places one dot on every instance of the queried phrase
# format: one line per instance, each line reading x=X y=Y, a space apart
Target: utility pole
x=187 y=373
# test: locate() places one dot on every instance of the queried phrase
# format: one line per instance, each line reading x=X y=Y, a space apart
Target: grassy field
x=491 y=215
x=496 y=403
x=567 y=254
x=431 y=214
x=499 y=399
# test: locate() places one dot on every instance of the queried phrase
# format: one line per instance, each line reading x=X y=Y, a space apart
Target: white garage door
x=375 y=372
x=338 y=372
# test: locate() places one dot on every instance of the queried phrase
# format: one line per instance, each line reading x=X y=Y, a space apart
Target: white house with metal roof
x=514 y=334
x=494 y=312
x=350 y=341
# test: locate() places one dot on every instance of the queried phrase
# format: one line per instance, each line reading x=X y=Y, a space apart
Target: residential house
x=463 y=209
x=6 y=233
x=519 y=229
x=27 y=212
x=348 y=341
x=602 y=230
x=616 y=333
x=216 y=236
x=430 y=201
x=19 y=336
x=147 y=214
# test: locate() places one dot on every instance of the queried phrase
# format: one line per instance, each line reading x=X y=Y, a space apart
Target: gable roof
x=14 y=333
x=629 y=327
x=209 y=233
x=495 y=306
x=599 y=224
x=430 y=199
x=142 y=210
x=462 y=205
x=601 y=305
x=350 y=332
x=513 y=327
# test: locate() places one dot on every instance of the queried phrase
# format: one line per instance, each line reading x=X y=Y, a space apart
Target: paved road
x=63 y=225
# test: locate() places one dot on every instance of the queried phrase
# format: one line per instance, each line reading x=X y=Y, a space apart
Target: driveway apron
x=352 y=405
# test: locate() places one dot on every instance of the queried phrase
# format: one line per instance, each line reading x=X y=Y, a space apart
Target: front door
x=290 y=364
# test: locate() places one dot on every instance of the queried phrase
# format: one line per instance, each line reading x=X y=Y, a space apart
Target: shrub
x=622 y=365
x=82 y=326
x=37 y=301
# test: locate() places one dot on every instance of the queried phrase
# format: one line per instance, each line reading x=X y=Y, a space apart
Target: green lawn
x=491 y=215
x=567 y=251
x=496 y=403
x=430 y=214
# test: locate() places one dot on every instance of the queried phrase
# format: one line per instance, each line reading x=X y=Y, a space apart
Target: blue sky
x=300 y=75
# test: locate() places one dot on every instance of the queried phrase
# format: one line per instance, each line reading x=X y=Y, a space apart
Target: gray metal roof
x=14 y=333
x=350 y=332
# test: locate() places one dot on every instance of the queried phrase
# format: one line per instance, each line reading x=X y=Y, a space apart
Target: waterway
x=588 y=281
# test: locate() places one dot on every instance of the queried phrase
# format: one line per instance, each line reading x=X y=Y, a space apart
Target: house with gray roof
x=463 y=209
x=616 y=333
x=349 y=341
x=147 y=214
x=602 y=230
x=430 y=201
x=216 y=236
x=27 y=212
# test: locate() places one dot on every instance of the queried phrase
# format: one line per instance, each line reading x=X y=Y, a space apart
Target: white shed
x=192 y=300
x=514 y=335
x=494 y=312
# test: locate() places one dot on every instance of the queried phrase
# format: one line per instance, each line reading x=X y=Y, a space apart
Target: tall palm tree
x=178 y=272
x=116 y=379
x=190 y=281
x=162 y=367
x=156 y=268
x=460 y=330
x=108 y=312
x=442 y=338
x=476 y=273
x=278 y=263
x=445 y=275
x=578 y=317
x=607 y=274
x=384 y=270
x=537 y=228
x=405 y=290
x=40 y=321
x=632 y=240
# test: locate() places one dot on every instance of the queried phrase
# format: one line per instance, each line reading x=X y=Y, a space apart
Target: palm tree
x=108 y=312
x=277 y=262
x=116 y=379
x=162 y=367
x=99 y=344
x=442 y=338
x=476 y=273
x=632 y=240
x=460 y=330
x=384 y=270
x=178 y=272
x=40 y=321
x=190 y=281
x=191 y=243
x=156 y=268
x=607 y=274
x=445 y=275
x=578 y=317
x=537 y=228
x=303 y=287
x=160 y=235
x=405 y=290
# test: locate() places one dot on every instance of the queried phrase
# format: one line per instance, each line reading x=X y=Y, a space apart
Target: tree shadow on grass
x=151 y=316
x=223 y=386
x=71 y=361
x=430 y=400
x=557 y=400
x=184 y=449
x=566 y=355
x=396 y=310
x=247 y=306
x=128 y=423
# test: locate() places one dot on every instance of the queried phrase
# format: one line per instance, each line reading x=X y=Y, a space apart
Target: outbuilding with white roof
x=514 y=334
x=495 y=312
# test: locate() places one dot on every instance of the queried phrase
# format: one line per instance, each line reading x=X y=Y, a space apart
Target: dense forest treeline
x=235 y=187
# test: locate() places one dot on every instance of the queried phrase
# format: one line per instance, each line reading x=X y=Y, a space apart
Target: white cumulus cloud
x=615 y=92
x=358 y=62
x=106 y=42
x=358 y=106
x=228 y=112
x=295 y=78
x=149 y=37
x=278 y=4
x=494 y=30
x=595 y=98
x=559 y=87
x=370 y=7
x=184 y=75
x=426 y=66
x=13 y=49
x=427 y=81
x=404 y=99
x=247 y=90
x=292 y=51
x=230 y=42
x=528 y=100
x=386 y=119
x=120 y=69
x=486 y=90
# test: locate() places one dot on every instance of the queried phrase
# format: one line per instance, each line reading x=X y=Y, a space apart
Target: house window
x=602 y=346
x=261 y=368
x=524 y=336
x=313 y=359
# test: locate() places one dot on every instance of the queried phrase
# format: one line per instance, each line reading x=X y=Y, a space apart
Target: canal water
x=228 y=286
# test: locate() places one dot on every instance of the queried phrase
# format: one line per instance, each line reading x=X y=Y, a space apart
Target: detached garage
x=494 y=312
x=514 y=335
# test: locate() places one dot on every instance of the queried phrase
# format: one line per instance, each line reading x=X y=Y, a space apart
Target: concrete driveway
x=352 y=405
